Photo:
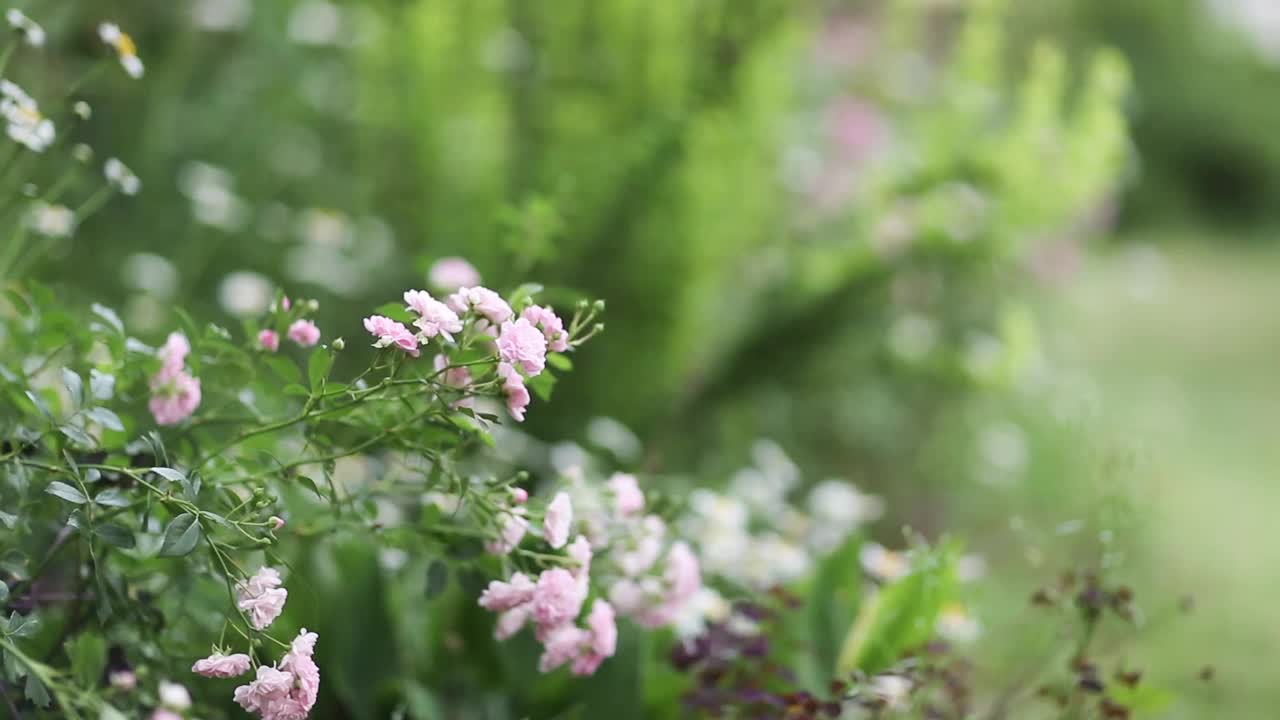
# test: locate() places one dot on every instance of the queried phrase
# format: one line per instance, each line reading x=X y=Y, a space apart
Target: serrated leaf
x=61 y=490
x=318 y=366
x=169 y=474
x=180 y=536
x=36 y=692
x=559 y=361
x=23 y=625
x=542 y=385
x=109 y=316
x=117 y=535
x=40 y=406
x=8 y=519
x=102 y=386
x=311 y=485
x=113 y=497
x=74 y=385
x=88 y=653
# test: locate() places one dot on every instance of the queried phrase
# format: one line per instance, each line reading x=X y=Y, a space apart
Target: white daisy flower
x=55 y=221
x=28 y=28
x=26 y=125
x=956 y=625
x=882 y=563
x=126 y=50
x=121 y=177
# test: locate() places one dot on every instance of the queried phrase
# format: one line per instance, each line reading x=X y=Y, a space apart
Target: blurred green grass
x=1182 y=343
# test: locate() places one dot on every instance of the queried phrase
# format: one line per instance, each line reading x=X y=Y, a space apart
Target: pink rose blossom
x=262 y=597
x=483 y=300
x=560 y=645
x=627 y=596
x=268 y=690
x=557 y=598
x=500 y=596
x=389 y=332
x=218 y=665
x=434 y=317
x=522 y=344
x=556 y=522
x=304 y=333
x=516 y=393
x=174 y=398
x=269 y=340
x=580 y=551
x=602 y=641
x=284 y=303
x=173 y=355
x=451 y=273
x=305 y=672
x=510 y=622
x=627 y=497
x=682 y=580
x=513 y=530
x=552 y=327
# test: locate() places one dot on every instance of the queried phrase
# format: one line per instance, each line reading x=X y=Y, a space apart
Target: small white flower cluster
x=29 y=29
x=126 y=50
x=25 y=124
x=752 y=535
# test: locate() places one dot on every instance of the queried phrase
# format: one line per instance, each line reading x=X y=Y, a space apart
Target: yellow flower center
x=125 y=46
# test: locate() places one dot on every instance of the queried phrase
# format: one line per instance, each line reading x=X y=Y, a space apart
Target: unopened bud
x=339 y=344
x=123 y=680
x=519 y=495
x=82 y=110
x=598 y=306
x=313 y=305
x=276 y=522
x=82 y=153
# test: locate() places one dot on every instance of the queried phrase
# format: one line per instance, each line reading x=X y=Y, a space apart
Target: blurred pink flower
x=557 y=598
x=305 y=672
x=389 y=332
x=522 y=344
x=218 y=665
x=434 y=317
x=458 y=377
x=501 y=596
x=556 y=522
x=510 y=622
x=580 y=551
x=513 y=530
x=304 y=333
x=681 y=580
x=602 y=640
x=268 y=691
x=262 y=597
x=627 y=497
x=269 y=340
x=174 y=398
x=165 y=714
x=481 y=299
x=517 y=394
x=173 y=355
x=561 y=644
x=552 y=327
x=451 y=273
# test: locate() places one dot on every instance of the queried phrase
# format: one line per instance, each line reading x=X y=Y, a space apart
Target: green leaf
x=524 y=293
x=180 y=536
x=902 y=615
x=113 y=497
x=23 y=625
x=114 y=534
x=66 y=492
x=437 y=578
x=88 y=653
x=559 y=361
x=542 y=385
x=101 y=385
x=74 y=385
x=296 y=390
x=109 y=316
x=311 y=485
x=105 y=418
x=110 y=713
x=169 y=474
x=4 y=592
x=285 y=368
x=36 y=691
x=834 y=595
x=77 y=435
x=318 y=366
x=35 y=400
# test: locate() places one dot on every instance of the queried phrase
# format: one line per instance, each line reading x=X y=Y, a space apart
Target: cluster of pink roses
x=175 y=394
x=302 y=332
x=283 y=692
x=522 y=342
x=613 y=522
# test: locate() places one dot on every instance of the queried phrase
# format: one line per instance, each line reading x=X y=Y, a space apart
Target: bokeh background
x=1010 y=265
